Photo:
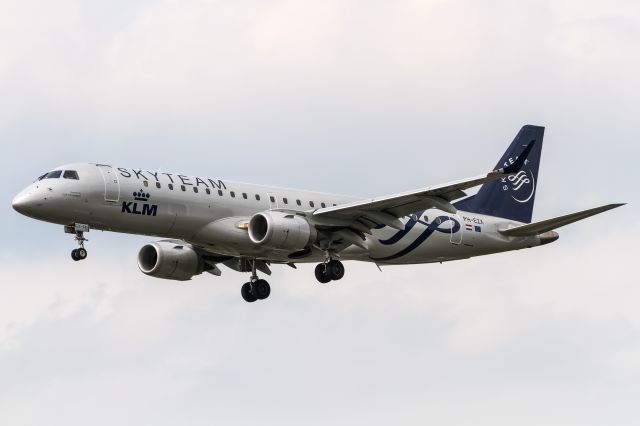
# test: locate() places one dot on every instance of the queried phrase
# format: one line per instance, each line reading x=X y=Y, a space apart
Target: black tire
x=81 y=253
x=261 y=289
x=74 y=255
x=335 y=270
x=321 y=273
x=247 y=295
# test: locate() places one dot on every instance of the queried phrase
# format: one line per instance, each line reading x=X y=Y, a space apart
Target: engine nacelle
x=281 y=231
x=170 y=261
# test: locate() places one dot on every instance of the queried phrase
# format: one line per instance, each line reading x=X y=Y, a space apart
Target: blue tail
x=511 y=197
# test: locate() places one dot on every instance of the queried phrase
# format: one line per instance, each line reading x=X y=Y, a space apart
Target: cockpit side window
x=70 y=174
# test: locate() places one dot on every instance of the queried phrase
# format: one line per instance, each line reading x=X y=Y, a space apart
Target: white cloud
x=516 y=331
x=280 y=84
x=303 y=94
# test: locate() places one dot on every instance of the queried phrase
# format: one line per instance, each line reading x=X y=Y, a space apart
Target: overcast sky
x=356 y=97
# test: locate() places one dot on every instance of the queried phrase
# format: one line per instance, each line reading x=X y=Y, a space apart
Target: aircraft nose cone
x=23 y=203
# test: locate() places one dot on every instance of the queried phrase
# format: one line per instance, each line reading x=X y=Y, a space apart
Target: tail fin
x=511 y=197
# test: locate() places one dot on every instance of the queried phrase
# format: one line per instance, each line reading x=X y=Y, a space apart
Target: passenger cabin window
x=284 y=200
x=208 y=191
x=244 y=195
x=171 y=186
x=220 y=192
x=311 y=204
x=257 y=197
x=158 y=185
x=233 y=194
x=323 y=205
x=272 y=199
x=145 y=183
x=184 y=188
x=195 y=189
x=70 y=174
x=298 y=202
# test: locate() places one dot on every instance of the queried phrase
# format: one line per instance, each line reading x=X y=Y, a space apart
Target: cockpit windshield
x=51 y=175
x=56 y=174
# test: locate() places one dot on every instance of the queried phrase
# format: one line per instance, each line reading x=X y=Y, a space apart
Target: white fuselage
x=213 y=214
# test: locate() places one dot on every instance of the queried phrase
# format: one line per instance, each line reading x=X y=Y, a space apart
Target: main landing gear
x=79 y=254
x=78 y=230
x=256 y=289
x=333 y=270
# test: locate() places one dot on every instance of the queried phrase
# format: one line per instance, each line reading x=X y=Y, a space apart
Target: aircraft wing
x=363 y=215
x=405 y=203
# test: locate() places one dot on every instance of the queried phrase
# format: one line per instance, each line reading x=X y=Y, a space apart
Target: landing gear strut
x=256 y=289
x=333 y=270
x=78 y=230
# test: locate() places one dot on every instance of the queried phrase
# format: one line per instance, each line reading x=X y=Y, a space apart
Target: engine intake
x=281 y=231
x=170 y=261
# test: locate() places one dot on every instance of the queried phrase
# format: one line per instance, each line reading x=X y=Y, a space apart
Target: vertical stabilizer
x=513 y=196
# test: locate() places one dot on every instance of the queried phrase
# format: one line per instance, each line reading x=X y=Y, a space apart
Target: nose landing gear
x=78 y=230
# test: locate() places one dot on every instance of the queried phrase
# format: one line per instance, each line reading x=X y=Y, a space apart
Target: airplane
x=206 y=222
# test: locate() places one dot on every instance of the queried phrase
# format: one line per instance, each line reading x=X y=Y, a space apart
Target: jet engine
x=281 y=231
x=169 y=260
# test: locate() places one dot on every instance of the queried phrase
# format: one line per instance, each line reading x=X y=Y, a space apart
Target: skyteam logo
x=523 y=185
x=442 y=224
x=143 y=208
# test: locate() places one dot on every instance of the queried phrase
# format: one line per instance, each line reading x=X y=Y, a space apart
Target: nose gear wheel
x=78 y=230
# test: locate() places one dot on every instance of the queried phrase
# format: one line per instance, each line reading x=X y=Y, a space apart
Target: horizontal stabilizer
x=551 y=224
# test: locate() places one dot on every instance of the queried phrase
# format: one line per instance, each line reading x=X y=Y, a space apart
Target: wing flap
x=551 y=224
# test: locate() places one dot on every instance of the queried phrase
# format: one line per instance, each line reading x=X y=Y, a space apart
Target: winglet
x=517 y=165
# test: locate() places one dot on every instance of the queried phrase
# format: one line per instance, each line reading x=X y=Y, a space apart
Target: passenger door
x=111 y=183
